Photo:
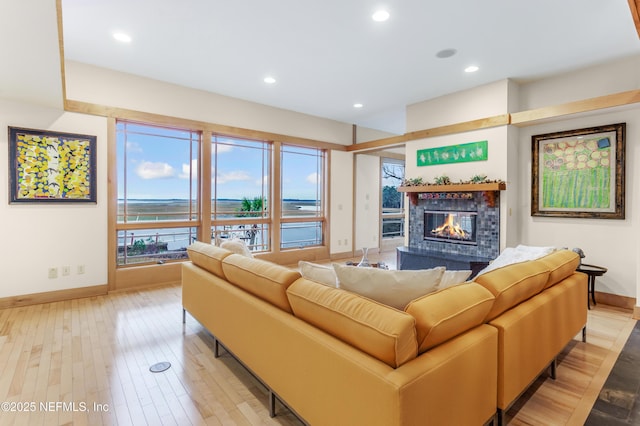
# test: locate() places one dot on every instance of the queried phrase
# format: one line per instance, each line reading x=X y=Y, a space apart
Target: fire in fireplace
x=455 y=227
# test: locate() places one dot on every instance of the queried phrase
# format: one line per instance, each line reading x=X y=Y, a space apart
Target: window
x=157 y=174
x=302 y=199
x=392 y=200
x=241 y=188
x=166 y=201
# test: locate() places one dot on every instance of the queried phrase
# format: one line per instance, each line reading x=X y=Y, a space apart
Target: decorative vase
x=364 y=263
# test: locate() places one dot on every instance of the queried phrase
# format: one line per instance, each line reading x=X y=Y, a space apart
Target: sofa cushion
x=387 y=334
x=447 y=313
x=561 y=264
x=319 y=273
x=513 y=284
x=208 y=257
x=390 y=287
x=261 y=278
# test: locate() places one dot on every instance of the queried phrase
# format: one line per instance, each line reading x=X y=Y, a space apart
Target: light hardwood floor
x=86 y=362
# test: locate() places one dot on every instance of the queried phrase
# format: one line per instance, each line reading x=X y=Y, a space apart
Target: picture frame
x=51 y=167
x=579 y=173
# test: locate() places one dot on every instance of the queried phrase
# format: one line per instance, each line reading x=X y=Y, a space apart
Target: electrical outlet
x=53 y=273
x=66 y=270
x=80 y=269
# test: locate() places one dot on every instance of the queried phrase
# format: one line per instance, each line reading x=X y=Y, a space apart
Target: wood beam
x=465 y=126
x=147 y=117
x=534 y=116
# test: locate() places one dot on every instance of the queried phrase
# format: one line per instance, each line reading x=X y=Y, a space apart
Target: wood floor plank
x=97 y=351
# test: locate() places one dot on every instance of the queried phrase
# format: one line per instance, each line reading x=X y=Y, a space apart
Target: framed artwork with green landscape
x=49 y=166
x=579 y=173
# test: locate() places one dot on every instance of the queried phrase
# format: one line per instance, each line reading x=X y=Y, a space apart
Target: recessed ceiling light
x=380 y=15
x=269 y=80
x=446 y=53
x=125 y=38
x=471 y=68
x=358 y=105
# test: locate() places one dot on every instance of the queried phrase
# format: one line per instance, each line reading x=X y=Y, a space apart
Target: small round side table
x=592 y=271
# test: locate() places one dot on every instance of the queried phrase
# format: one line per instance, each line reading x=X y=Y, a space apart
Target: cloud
x=133 y=147
x=237 y=175
x=263 y=181
x=222 y=148
x=151 y=170
x=313 y=178
x=185 y=170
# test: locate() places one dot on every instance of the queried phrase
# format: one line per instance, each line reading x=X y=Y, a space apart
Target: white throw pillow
x=532 y=252
x=390 y=287
x=319 y=273
x=450 y=278
x=236 y=245
x=518 y=254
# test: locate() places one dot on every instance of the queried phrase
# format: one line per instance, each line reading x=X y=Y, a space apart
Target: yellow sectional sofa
x=452 y=357
x=336 y=358
x=540 y=306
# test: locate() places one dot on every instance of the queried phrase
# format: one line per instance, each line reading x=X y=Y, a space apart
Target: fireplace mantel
x=456 y=187
x=488 y=190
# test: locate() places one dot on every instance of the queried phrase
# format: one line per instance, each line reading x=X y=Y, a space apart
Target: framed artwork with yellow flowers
x=51 y=166
x=579 y=173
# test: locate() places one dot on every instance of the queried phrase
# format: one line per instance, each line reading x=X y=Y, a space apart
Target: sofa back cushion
x=386 y=334
x=447 y=313
x=208 y=257
x=513 y=284
x=261 y=278
x=561 y=264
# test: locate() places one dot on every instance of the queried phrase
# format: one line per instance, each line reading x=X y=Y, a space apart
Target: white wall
x=36 y=237
x=614 y=244
x=367 y=202
x=496 y=166
x=480 y=102
x=341 y=202
x=609 y=243
x=613 y=77
x=105 y=87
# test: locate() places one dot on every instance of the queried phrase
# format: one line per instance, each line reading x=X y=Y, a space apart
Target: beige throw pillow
x=390 y=287
x=450 y=278
x=236 y=245
x=319 y=273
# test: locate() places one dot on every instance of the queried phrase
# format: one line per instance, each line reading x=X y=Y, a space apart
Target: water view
x=158 y=244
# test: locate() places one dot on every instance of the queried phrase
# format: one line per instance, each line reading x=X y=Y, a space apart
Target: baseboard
x=636 y=312
x=342 y=255
x=616 y=300
x=52 y=296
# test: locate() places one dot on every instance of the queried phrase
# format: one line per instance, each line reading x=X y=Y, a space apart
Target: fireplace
x=471 y=212
x=457 y=227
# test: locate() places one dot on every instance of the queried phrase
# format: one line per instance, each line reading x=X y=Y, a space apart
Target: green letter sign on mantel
x=473 y=151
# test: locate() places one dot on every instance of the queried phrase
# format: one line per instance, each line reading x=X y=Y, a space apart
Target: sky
x=160 y=166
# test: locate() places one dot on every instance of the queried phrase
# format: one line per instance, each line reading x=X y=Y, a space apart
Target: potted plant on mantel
x=414 y=186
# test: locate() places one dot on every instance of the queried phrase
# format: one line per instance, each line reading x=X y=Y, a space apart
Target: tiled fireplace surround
x=487 y=223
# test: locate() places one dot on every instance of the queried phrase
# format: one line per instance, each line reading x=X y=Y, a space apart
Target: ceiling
x=328 y=55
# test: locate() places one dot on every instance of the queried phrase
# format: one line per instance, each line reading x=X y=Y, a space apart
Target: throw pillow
x=319 y=273
x=390 y=287
x=450 y=278
x=236 y=245
x=521 y=253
